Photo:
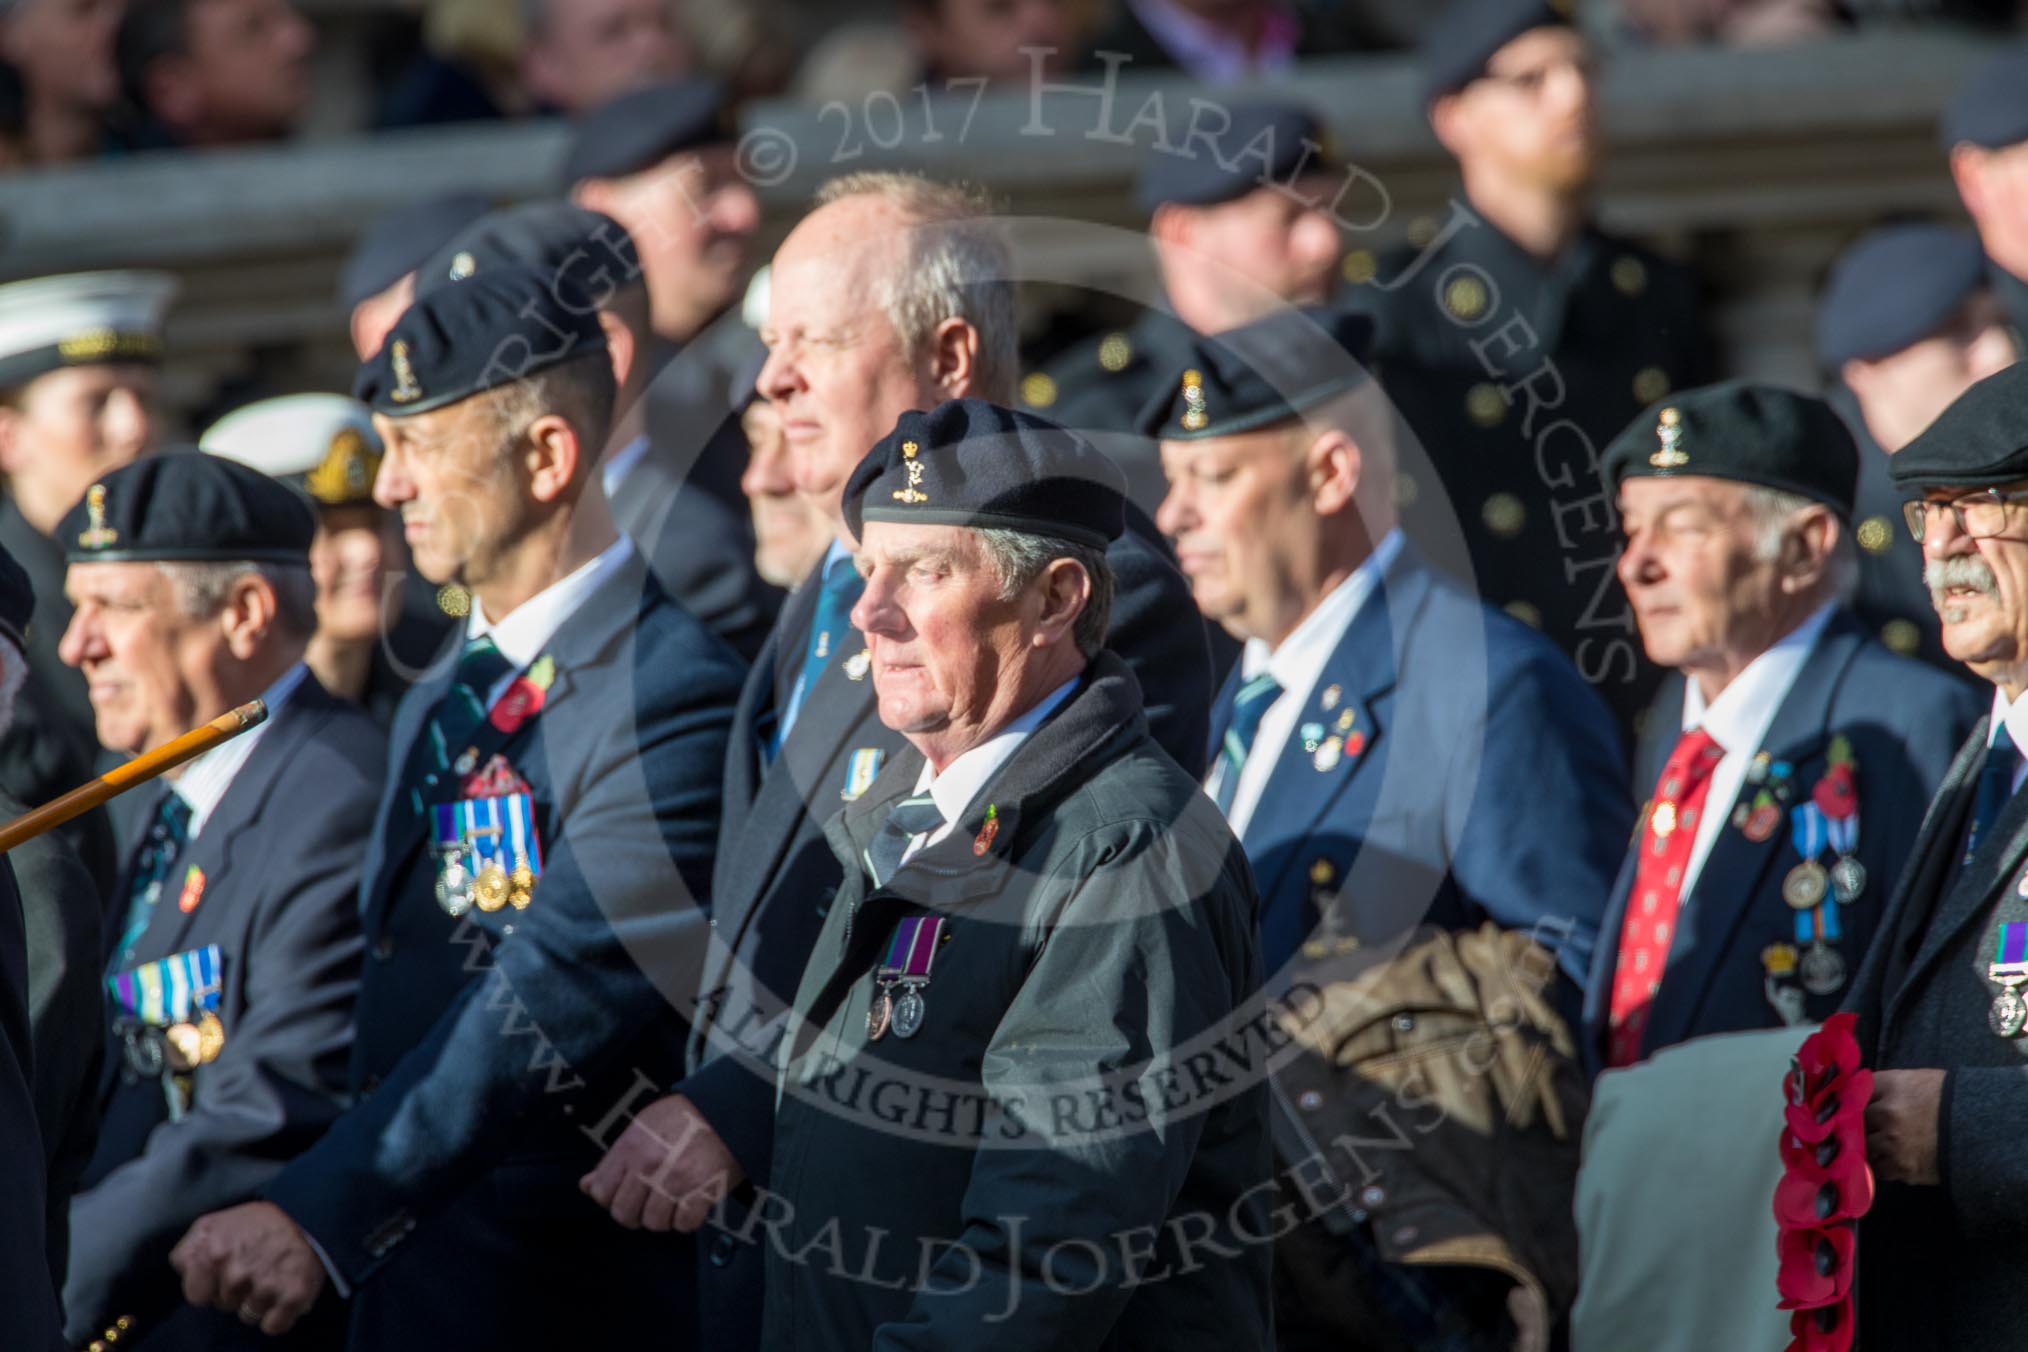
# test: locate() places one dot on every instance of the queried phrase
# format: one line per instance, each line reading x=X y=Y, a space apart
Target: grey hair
x=959 y=266
x=579 y=390
x=1018 y=558
x=202 y=589
x=1771 y=510
x=13 y=664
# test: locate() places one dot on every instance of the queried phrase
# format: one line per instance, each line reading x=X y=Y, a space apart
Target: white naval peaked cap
x=81 y=319
x=323 y=444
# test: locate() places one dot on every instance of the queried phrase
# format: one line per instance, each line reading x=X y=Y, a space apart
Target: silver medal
x=1822 y=971
x=908 y=1012
x=2008 y=1013
x=1848 y=879
x=454 y=888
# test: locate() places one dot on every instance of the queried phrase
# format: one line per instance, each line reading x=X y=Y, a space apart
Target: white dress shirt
x=203 y=781
x=1296 y=666
x=2015 y=717
x=964 y=777
x=526 y=631
x=1738 y=719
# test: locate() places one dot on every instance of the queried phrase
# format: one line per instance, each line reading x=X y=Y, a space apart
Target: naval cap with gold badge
x=495 y=327
x=81 y=319
x=1980 y=441
x=323 y=444
x=1744 y=431
x=1463 y=38
x=182 y=506
x=1261 y=374
x=970 y=463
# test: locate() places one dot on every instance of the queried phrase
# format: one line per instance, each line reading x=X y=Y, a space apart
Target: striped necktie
x=165 y=840
x=837 y=593
x=908 y=819
x=1996 y=786
x=1248 y=708
x=463 y=706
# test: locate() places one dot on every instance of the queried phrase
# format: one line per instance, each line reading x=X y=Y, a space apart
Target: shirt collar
x=962 y=779
x=621 y=463
x=1302 y=656
x=2014 y=717
x=206 y=778
x=1738 y=719
x=526 y=631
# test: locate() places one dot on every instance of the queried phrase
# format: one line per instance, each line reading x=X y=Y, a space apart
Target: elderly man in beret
x=233 y=962
x=1039 y=910
x=1790 y=753
x=1939 y=998
x=537 y=866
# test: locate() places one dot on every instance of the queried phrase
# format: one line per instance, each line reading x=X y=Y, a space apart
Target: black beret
x=1462 y=39
x=556 y=239
x=1979 y=441
x=1261 y=374
x=17 y=600
x=1896 y=286
x=1992 y=108
x=497 y=326
x=1744 y=431
x=183 y=506
x=1261 y=143
x=970 y=463
x=397 y=243
x=639 y=130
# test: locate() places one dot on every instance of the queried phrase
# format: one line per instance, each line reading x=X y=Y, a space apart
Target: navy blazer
x=447 y=1198
x=26 y=1292
x=1904 y=721
x=280 y=856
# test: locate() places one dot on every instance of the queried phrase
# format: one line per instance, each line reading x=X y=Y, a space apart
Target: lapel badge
x=857 y=665
x=1670 y=431
x=1779 y=960
x=1332 y=694
x=1761 y=822
x=2021 y=885
x=1756 y=771
x=97 y=534
x=860 y=771
x=1195 y=415
x=467 y=761
x=1355 y=742
x=1329 y=752
x=913 y=492
x=193 y=890
x=405 y=390
x=984 y=840
x=1322 y=874
x=1346 y=720
x=463 y=266
x=1312 y=735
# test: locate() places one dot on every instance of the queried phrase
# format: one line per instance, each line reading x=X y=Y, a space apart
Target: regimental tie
x=907 y=819
x=838 y=592
x=457 y=715
x=1249 y=707
x=1667 y=838
x=1996 y=786
x=164 y=841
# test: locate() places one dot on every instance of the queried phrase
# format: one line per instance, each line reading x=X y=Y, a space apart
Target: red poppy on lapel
x=1828 y=1328
x=1837 y=793
x=193 y=890
x=1816 y=1266
x=1842 y=1193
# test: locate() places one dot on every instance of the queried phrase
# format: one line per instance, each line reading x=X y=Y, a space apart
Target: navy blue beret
x=1261 y=374
x=1896 y=286
x=1979 y=441
x=397 y=243
x=556 y=239
x=639 y=130
x=1457 y=45
x=180 y=505
x=496 y=327
x=1744 y=431
x=17 y=600
x=970 y=463
x=1992 y=108
x=1262 y=143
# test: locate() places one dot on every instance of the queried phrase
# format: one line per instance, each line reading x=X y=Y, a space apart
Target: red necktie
x=1667 y=837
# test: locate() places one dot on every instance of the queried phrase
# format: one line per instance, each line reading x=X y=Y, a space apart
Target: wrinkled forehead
x=899 y=543
x=129 y=582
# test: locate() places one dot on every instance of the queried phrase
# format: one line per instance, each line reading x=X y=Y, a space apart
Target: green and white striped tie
x=1248 y=708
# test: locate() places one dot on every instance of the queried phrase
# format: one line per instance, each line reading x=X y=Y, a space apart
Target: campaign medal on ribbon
x=2009 y=968
x=170 y=1025
x=860 y=772
x=903 y=976
x=488 y=854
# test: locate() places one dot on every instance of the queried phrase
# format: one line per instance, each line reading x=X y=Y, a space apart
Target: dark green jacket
x=1063 y=1156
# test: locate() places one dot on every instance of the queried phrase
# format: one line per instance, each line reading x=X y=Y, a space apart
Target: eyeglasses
x=1981 y=515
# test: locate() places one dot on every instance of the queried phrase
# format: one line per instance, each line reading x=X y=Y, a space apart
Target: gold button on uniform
x=1465 y=297
x=1630 y=275
x=1504 y=515
x=1422 y=230
x=1038 y=390
x=1359 y=267
x=1901 y=636
x=454 y=600
x=1484 y=405
x=1875 y=536
x=1115 y=352
x=1526 y=612
x=1650 y=383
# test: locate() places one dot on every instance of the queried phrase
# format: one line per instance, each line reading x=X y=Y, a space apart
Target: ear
x=953 y=358
x=552 y=456
x=1447 y=120
x=248 y=616
x=1967 y=160
x=1333 y=466
x=1807 y=548
x=593 y=194
x=1066 y=591
x=620 y=343
x=13 y=454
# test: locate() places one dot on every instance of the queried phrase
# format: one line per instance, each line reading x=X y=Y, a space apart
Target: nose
x=1316 y=240
x=767 y=470
x=778 y=379
x=1635 y=564
x=77 y=642
x=127 y=423
x=1172 y=513
x=876 y=611
x=735 y=210
x=1941 y=537
x=391 y=485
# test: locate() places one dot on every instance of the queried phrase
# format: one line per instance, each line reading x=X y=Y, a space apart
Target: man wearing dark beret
x=1938 y=1000
x=1035 y=897
x=378 y=280
x=232 y=960
x=1906 y=323
x=1404 y=767
x=1985 y=135
x=1517 y=338
x=537 y=866
x=1790 y=752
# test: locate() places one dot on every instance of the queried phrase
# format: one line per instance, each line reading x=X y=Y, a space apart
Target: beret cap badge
x=96 y=535
x=913 y=492
x=1670 y=431
x=405 y=390
x=1195 y=415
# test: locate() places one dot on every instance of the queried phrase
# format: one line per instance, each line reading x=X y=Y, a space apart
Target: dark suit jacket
x=485 y=1044
x=1904 y=721
x=1937 y=1263
x=280 y=856
x=27 y=1294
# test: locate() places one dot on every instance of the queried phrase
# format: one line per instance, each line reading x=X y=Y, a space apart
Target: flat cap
x=1991 y=110
x=81 y=319
x=496 y=327
x=17 y=600
x=1979 y=441
x=1261 y=144
x=1896 y=286
x=182 y=506
x=639 y=130
x=1744 y=431
x=1261 y=374
x=1457 y=45
x=321 y=444
x=556 y=239
x=970 y=463
x=401 y=240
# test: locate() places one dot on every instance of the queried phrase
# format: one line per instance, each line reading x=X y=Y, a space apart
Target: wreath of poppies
x=1825 y=1186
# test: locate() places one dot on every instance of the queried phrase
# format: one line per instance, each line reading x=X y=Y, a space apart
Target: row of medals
x=902 y=1013
x=459 y=890
x=181 y=1047
x=2009 y=1013
x=1821 y=970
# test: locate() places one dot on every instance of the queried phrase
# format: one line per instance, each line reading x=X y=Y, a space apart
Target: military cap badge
x=346 y=472
x=1670 y=431
x=463 y=265
x=1194 y=414
x=913 y=492
x=405 y=390
x=97 y=534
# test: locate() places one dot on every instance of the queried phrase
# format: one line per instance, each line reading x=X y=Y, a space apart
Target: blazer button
x=383 y=947
x=369 y=1084
x=721 y=1251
